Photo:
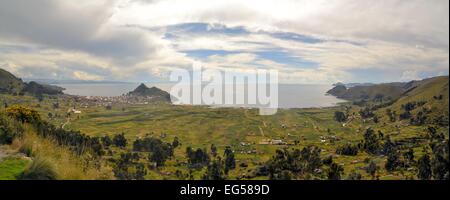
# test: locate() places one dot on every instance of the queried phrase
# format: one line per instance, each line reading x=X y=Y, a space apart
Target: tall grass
x=40 y=169
x=51 y=161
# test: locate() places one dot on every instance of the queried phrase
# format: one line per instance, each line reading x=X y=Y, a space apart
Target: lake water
x=289 y=95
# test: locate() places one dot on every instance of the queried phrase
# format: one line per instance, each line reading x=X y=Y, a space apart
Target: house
x=278 y=142
x=73 y=110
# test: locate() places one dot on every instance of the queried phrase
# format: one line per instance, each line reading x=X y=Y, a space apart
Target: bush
x=197 y=158
x=366 y=113
x=119 y=140
x=9 y=129
x=348 y=150
x=40 y=169
x=23 y=114
x=299 y=163
x=340 y=116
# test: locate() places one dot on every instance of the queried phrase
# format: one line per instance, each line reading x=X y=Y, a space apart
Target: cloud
x=409 y=75
x=413 y=22
x=75 y=26
x=80 y=75
x=318 y=41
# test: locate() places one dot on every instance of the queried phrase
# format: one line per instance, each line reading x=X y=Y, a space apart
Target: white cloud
x=106 y=39
x=86 y=76
x=410 y=75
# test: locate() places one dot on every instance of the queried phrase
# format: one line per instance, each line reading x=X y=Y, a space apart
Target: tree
x=106 y=141
x=127 y=168
x=230 y=162
x=424 y=167
x=347 y=149
x=157 y=156
x=393 y=161
x=388 y=145
x=175 y=142
x=372 y=169
x=335 y=171
x=213 y=150
x=119 y=140
x=197 y=158
x=440 y=161
x=214 y=171
x=371 y=142
x=409 y=156
x=340 y=116
x=299 y=163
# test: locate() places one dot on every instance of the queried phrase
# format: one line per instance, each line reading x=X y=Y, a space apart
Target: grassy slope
x=198 y=126
x=201 y=126
x=65 y=164
x=9 y=82
x=425 y=92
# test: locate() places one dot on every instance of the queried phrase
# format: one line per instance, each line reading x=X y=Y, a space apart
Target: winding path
x=65 y=123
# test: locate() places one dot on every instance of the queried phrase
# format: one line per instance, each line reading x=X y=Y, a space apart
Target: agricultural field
x=246 y=132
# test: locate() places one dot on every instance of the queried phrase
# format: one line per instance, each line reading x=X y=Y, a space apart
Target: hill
x=10 y=84
x=428 y=96
x=153 y=93
x=384 y=91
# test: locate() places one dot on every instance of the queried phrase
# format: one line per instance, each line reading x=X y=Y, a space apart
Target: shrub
x=9 y=129
x=23 y=114
x=348 y=150
x=119 y=140
x=340 y=116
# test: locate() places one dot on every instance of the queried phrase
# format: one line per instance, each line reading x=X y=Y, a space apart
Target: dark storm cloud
x=77 y=25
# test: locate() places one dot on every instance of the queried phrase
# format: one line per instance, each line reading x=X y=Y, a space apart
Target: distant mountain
x=36 y=89
x=53 y=81
x=384 y=91
x=10 y=84
x=153 y=93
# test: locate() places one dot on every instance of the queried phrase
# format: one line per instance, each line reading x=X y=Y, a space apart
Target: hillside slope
x=9 y=83
x=384 y=91
x=433 y=92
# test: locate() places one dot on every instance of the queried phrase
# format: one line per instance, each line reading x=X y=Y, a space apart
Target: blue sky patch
x=296 y=37
x=202 y=28
x=283 y=57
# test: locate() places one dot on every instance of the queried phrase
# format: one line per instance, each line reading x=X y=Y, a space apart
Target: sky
x=307 y=41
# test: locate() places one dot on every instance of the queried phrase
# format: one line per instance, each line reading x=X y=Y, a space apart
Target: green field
x=242 y=129
x=247 y=133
